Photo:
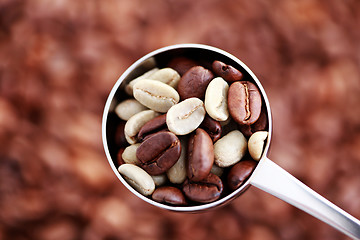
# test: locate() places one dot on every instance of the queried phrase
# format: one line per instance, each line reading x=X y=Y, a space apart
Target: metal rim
x=220 y=201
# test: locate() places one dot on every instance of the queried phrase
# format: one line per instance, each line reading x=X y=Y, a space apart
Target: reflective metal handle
x=271 y=178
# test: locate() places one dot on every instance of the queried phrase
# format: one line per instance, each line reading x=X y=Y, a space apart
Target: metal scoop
x=267 y=176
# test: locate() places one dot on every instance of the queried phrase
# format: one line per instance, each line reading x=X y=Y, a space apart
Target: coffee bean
x=177 y=173
x=120 y=139
x=129 y=154
x=186 y=116
x=159 y=152
x=169 y=195
x=244 y=102
x=135 y=123
x=155 y=95
x=137 y=178
x=218 y=171
x=229 y=126
x=212 y=127
x=227 y=72
x=153 y=126
x=256 y=144
x=216 y=99
x=182 y=64
x=239 y=173
x=204 y=191
x=259 y=125
x=230 y=149
x=119 y=158
x=128 y=108
x=159 y=180
x=129 y=87
x=184 y=168
x=200 y=155
x=166 y=75
x=194 y=83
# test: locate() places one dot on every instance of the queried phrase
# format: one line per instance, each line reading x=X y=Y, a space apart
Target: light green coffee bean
x=185 y=116
x=216 y=99
x=166 y=75
x=155 y=95
x=137 y=178
x=159 y=180
x=130 y=85
x=128 y=108
x=256 y=144
x=177 y=173
x=133 y=125
x=230 y=149
x=129 y=154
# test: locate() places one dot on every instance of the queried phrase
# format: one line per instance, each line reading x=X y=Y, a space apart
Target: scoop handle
x=272 y=179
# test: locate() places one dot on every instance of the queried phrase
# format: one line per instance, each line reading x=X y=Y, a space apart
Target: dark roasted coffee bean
x=153 y=126
x=194 y=83
x=181 y=64
x=244 y=102
x=169 y=195
x=151 y=134
x=259 y=125
x=159 y=152
x=240 y=172
x=120 y=139
x=204 y=191
x=212 y=127
x=200 y=155
x=227 y=72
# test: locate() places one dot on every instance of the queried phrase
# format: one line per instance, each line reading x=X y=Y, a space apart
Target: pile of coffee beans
x=190 y=135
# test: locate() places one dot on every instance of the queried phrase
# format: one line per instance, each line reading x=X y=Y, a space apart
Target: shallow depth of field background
x=60 y=59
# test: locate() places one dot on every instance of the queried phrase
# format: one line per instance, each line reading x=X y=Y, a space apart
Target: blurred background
x=60 y=59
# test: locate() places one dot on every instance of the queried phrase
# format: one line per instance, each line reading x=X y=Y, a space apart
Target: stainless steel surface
x=271 y=178
x=267 y=176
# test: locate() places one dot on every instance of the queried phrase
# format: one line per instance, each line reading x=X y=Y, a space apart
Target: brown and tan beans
x=177 y=173
x=193 y=139
x=136 y=122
